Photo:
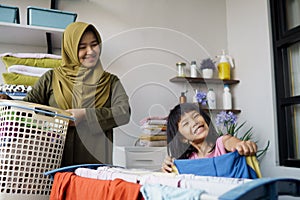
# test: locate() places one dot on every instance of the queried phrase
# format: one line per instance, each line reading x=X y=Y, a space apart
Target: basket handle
x=45 y=112
x=37 y=108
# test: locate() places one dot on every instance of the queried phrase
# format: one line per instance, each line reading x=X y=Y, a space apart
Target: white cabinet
x=150 y=158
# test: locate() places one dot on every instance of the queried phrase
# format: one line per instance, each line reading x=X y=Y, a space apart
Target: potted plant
x=200 y=97
x=207 y=67
x=226 y=123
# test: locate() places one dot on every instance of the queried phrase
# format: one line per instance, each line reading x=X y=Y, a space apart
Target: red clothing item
x=69 y=186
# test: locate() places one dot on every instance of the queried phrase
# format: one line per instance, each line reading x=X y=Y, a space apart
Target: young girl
x=191 y=135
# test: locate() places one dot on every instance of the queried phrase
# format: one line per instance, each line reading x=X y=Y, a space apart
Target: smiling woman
x=191 y=135
x=95 y=98
x=89 y=49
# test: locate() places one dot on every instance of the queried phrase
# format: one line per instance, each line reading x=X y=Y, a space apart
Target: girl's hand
x=167 y=164
x=246 y=148
x=78 y=114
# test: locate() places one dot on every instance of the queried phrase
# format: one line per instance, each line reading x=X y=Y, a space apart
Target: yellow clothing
x=254 y=164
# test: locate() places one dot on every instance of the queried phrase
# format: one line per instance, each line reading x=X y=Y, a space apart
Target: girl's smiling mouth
x=199 y=129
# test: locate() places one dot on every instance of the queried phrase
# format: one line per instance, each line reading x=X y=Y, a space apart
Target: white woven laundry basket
x=32 y=139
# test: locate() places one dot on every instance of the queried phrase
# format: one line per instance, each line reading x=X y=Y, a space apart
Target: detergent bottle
x=227 y=98
x=224 y=66
x=211 y=99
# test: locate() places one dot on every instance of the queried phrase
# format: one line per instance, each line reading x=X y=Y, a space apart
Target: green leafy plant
x=227 y=124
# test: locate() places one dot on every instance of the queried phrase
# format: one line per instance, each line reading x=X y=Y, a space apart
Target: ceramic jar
x=207 y=73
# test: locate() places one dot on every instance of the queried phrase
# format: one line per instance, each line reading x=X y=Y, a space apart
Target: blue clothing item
x=164 y=192
x=231 y=165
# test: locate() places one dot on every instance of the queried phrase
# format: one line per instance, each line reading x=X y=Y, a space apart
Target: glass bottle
x=181 y=69
x=182 y=98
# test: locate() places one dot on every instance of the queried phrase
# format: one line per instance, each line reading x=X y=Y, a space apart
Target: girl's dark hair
x=176 y=147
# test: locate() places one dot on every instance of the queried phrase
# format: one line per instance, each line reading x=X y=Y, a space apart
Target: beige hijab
x=75 y=86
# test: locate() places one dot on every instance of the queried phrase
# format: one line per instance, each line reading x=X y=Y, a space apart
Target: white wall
x=249 y=42
x=143 y=40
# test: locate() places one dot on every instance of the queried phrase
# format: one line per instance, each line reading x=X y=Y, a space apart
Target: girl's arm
x=243 y=147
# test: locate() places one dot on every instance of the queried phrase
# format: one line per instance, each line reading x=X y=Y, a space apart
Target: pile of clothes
x=153 y=132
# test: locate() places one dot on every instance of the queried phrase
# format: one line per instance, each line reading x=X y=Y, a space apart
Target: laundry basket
x=32 y=139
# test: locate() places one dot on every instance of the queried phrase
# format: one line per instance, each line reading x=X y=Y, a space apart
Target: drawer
x=140 y=157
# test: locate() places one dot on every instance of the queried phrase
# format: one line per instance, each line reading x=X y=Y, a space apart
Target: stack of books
x=153 y=132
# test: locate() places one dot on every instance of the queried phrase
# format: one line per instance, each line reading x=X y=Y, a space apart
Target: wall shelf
x=235 y=111
x=28 y=35
x=202 y=80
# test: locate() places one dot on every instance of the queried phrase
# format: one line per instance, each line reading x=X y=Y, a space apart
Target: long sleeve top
x=91 y=140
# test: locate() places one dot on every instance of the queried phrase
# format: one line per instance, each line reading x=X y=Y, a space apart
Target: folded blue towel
x=230 y=165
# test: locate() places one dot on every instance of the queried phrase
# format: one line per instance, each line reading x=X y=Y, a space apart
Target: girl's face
x=193 y=126
x=88 y=50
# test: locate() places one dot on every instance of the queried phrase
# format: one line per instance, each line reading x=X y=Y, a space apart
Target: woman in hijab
x=96 y=98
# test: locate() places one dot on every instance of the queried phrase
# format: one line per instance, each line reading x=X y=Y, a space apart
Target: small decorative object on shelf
x=200 y=97
x=182 y=98
x=227 y=99
x=193 y=69
x=181 y=69
x=211 y=99
x=225 y=63
x=207 y=67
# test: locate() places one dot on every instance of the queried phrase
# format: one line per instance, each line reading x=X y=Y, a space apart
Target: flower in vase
x=201 y=98
x=226 y=123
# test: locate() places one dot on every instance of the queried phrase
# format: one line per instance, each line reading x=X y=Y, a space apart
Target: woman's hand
x=167 y=164
x=78 y=114
x=4 y=96
x=244 y=148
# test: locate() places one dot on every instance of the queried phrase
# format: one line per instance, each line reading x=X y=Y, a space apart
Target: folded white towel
x=28 y=70
x=31 y=55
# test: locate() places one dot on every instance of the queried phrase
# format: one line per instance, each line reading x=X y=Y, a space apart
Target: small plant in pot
x=207 y=67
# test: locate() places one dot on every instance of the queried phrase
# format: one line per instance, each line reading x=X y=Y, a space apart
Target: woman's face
x=193 y=126
x=89 y=50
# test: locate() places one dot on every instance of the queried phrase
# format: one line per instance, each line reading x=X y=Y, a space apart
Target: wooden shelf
x=202 y=80
x=219 y=110
x=205 y=108
x=208 y=81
